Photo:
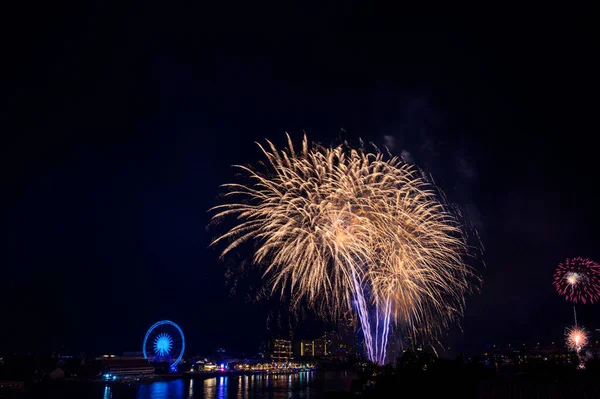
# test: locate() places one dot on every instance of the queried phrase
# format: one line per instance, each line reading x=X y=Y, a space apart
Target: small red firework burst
x=577 y=338
x=578 y=279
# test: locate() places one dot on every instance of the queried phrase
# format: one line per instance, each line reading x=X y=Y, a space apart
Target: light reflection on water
x=164 y=390
x=222 y=391
x=107 y=393
x=305 y=385
x=209 y=388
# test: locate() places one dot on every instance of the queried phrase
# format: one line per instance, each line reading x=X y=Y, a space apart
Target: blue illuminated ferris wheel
x=164 y=343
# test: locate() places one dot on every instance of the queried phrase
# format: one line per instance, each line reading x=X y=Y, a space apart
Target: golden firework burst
x=347 y=229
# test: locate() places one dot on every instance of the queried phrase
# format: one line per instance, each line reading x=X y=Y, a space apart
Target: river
x=306 y=385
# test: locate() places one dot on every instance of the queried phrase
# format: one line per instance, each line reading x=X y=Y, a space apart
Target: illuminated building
x=322 y=346
x=204 y=365
x=278 y=350
x=282 y=350
x=330 y=344
x=318 y=347
x=130 y=365
x=341 y=343
x=307 y=348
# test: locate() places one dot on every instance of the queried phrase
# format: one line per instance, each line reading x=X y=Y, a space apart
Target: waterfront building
x=277 y=350
x=322 y=346
x=307 y=348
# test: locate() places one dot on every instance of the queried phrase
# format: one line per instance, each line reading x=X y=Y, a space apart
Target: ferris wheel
x=164 y=343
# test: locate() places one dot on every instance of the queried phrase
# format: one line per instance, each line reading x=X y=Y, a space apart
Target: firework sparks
x=578 y=280
x=577 y=338
x=573 y=278
x=347 y=230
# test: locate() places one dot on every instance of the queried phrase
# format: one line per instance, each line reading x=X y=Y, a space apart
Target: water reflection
x=162 y=390
x=222 y=391
x=304 y=385
x=107 y=393
x=177 y=388
x=209 y=388
x=158 y=390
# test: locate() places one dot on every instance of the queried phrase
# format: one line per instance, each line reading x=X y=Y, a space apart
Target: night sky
x=119 y=124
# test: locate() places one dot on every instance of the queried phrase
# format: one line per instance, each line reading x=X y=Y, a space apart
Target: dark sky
x=118 y=125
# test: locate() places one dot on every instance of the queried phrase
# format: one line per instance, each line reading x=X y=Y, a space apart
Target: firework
x=347 y=230
x=578 y=279
x=577 y=338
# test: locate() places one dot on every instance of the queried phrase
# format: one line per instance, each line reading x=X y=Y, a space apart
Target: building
x=130 y=365
x=347 y=343
x=322 y=346
x=282 y=350
x=277 y=350
x=341 y=343
x=307 y=348
x=318 y=347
